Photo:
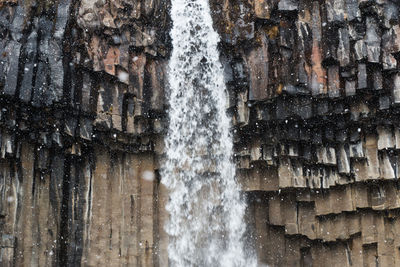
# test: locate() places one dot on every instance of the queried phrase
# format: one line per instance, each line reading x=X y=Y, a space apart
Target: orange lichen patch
x=319 y=73
x=258 y=40
x=272 y=32
x=279 y=89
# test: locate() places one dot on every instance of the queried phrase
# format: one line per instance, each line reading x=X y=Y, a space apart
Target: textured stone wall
x=314 y=99
x=82 y=94
x=313 y=94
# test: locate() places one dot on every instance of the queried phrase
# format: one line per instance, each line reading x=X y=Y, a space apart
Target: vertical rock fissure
x=206 y=225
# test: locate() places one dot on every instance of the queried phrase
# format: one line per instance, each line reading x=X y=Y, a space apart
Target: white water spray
x=206 y=225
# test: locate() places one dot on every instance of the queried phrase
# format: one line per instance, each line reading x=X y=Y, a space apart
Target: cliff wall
x=314 y=100
x=81 y=101
x=313 y=94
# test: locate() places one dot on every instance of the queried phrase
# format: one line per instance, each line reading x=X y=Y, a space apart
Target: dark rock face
x=314 y=88
x=316 y=122
x=82 y=94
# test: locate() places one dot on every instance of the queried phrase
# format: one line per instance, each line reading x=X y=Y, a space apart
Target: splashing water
x=206 y=225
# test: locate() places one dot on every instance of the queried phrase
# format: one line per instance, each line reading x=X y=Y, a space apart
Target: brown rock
x=258 y=65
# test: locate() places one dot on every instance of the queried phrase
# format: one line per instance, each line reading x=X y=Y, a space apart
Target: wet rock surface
x=314 y=88
x=316 y=125
x=82 y=97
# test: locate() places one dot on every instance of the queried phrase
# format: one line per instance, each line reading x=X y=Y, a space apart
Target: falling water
x=206 y=224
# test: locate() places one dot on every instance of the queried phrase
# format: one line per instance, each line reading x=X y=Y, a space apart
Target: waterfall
x=206 y=224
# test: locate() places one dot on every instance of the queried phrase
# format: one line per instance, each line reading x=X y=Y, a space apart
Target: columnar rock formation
x=315 y=104
x=314 y=96
x=81 y=97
